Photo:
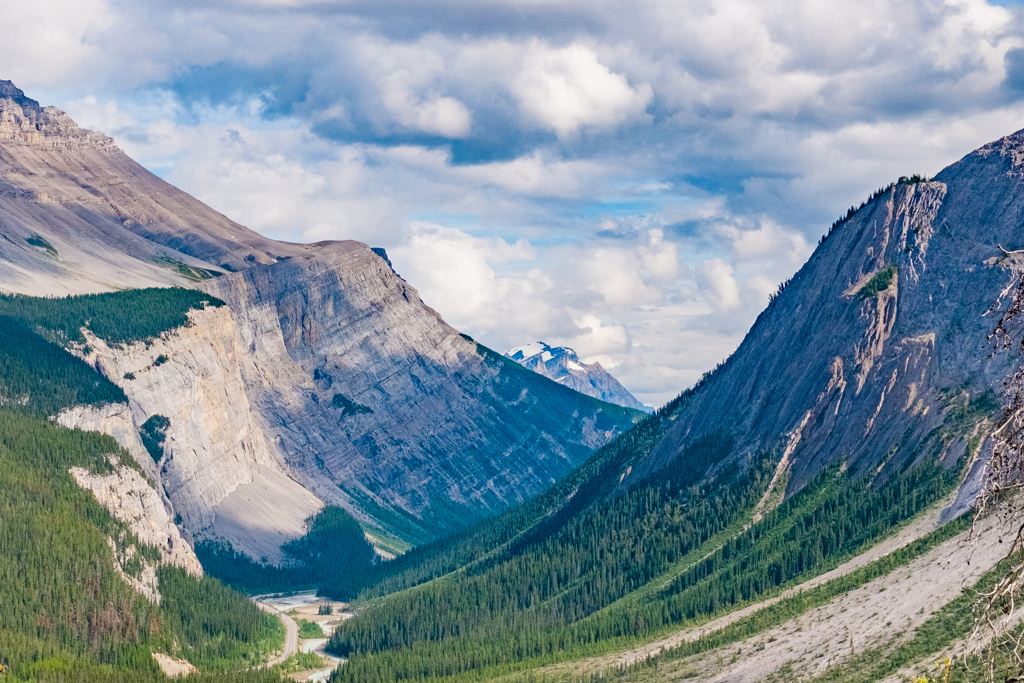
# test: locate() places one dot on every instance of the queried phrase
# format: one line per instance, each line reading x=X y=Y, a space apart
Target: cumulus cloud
x=632 y=178
x=724 y=288
x=565 y=89
x=407 y=78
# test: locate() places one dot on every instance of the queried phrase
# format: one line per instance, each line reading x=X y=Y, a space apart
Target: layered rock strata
x=875 y=353
x=328 y=380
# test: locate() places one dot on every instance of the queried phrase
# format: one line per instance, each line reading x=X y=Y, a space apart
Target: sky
x=631 y=179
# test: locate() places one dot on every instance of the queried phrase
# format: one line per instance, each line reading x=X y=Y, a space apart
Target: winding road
x=291 y=639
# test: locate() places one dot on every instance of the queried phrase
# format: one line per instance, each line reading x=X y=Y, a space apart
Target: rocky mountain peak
x=1011 y=146
x=22 y=119
x=563 y=365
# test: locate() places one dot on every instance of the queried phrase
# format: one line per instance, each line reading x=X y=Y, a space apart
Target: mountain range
x=796 y=515
x=564 y=366
x=212 y=402
x=325 y=379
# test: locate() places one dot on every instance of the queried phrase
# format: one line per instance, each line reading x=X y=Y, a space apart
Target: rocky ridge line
x=22 y=119
x=563 y=365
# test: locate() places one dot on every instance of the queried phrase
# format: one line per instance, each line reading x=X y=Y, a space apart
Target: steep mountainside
x=561 y=364
x=325 y=379
x=96 y=581
x=820 y=465
x=878 y=336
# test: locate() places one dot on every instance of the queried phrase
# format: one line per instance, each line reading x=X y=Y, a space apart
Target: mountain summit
x=564 y=366
x=828 y=461
x=324 y=380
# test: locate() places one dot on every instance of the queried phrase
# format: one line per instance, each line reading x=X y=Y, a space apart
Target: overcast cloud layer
x=632 y=179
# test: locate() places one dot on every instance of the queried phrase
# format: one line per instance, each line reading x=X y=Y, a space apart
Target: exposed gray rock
x=879 y=376
x=116 y=420
x=564 y=366
x=328 y=370
x=372 y=393
x=215 y=451
x=130 y=498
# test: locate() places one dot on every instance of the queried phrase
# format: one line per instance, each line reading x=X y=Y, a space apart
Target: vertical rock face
x=561 y=364
x=214 y=453
x=877 y=347
x=327 y=381
x=116 y=420
x=131 y=499
x=378 y=405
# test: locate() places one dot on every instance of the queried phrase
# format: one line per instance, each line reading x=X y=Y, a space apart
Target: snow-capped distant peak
x=528 y=351
x=561 y=364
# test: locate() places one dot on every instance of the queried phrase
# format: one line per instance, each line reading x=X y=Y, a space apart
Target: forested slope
x=67 y=612
x=589 y=568
x=857 y=401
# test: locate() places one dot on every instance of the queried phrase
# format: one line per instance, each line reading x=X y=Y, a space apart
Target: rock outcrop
x=875 y=353
x=116 y=420
x=372 y=394
x=326 y=380
x=564 y=366
x=215 y=453
x=131 y=498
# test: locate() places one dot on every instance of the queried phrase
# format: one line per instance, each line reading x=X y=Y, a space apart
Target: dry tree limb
x=1003 y=477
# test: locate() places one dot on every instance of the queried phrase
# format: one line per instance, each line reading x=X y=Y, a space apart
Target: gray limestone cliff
x=377 y=405
x=325 y=380
x=875 y=353
x=216 y=468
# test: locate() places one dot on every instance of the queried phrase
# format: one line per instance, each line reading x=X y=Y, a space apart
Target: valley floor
x=842 y=640
x=305 y=606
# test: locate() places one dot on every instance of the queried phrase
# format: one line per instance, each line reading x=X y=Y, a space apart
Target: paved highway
x=291 y=639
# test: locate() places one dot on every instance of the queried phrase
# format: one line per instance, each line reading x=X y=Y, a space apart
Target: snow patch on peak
x=528 y=351
x=563 y=365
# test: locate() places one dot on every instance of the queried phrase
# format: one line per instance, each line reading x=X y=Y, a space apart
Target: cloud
x=633 y=178
x=724 y=288
x=567 y=88
x=407 y=77
x=598 y=339
x=455 y=273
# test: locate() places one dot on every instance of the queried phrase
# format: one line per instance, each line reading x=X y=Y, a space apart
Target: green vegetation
x=325 y=608
x=348 y=406
x=63 y=606
x=333 y=552
x=118 y=317
x=878 y=284
x=65 y=612
x=601 y=560
x=153 y=434
x=792 y=607
x=38 y=241
x=193 y=273
x=543 y=599
x=41 y=378
x=950 y=623
x=301 y=661
x=310 y=629
x=218 y=628
x=63 y=670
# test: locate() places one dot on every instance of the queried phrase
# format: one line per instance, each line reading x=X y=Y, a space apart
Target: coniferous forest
x=65 y=612
x=589 y=567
